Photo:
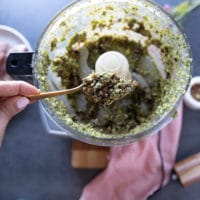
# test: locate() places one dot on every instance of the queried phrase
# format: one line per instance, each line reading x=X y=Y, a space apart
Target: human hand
x=12 y=93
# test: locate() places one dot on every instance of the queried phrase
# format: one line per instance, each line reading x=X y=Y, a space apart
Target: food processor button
x=113 y=62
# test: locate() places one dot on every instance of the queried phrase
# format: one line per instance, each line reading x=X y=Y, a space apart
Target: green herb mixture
x=154 y=53
x=106 y=88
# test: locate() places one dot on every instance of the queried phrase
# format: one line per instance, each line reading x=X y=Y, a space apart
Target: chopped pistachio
x=107 y=88
x=135 y=111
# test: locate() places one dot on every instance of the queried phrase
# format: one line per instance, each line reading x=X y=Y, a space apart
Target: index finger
x=17 y=88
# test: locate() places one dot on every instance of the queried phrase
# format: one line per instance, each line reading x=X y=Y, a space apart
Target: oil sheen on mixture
x=151 y=59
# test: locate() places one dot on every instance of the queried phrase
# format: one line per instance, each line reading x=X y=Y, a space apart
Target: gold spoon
x=123 y=88
x=54 y=93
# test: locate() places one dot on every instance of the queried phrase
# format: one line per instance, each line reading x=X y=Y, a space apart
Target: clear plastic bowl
x=78 y=18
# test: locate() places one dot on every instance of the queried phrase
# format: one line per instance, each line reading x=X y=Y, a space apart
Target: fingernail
x=22 y=103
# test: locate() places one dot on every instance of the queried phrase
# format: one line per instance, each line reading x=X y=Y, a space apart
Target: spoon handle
x=54 y=93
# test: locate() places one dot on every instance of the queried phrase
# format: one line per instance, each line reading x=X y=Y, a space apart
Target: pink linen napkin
x=138 y=170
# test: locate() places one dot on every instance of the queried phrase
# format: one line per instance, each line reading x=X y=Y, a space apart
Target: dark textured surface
x=36 y=166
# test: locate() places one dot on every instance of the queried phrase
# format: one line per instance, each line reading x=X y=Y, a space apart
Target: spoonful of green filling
x=106 y=88
x=103 y=88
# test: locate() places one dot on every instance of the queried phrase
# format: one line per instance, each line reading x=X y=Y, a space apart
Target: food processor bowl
x=150 y=39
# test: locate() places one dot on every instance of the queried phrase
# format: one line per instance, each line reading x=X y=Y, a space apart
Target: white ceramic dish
x=13 y=37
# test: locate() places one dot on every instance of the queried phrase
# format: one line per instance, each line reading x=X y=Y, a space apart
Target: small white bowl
x=13 y=37
x=189 y=100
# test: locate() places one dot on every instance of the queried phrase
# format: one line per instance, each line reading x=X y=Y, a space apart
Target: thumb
x=8 y=109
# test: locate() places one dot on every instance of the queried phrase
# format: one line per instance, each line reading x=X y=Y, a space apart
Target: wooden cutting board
x=86 y=156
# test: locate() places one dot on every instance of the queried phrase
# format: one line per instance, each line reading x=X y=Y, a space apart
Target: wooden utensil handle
x=188 y=170
x=54 y=93
x=187 y=163
x=49 y=94
x=190 y=176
